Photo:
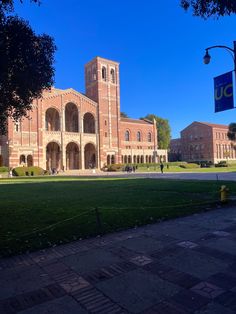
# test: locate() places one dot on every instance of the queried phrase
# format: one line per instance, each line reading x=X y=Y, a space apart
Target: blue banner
x=223 y=86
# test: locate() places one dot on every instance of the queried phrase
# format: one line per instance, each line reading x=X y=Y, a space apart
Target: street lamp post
x=207 y=57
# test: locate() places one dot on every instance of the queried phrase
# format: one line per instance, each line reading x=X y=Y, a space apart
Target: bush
x=189 y=166
x=28 y=171
x=3 y=169
x=222 y=163
x=115 y=167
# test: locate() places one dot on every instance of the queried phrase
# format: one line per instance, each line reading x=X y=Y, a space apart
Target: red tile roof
x=128 y=120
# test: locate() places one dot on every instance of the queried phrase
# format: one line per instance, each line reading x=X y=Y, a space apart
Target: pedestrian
x=162 y=167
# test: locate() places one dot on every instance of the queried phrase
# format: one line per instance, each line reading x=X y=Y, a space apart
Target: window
x=94 y=74
x=127 y=136
x=105 y=134
x=139 y=137
x=17 y=126
x=149 y=137
x=104 y=73
x=112 y=75
x=89 y=75
x=105 y=122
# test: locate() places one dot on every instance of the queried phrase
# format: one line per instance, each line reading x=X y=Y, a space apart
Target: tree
x=163 y=130
x=207 y=8
x=232 y=133
x=26 y=65
x=123 y=114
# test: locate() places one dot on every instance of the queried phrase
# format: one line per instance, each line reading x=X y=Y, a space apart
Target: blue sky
x=158 y=45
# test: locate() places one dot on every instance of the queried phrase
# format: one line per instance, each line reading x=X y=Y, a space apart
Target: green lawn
x=40 y=212
x=179 y=169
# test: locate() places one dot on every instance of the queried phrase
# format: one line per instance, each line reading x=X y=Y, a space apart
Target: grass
x=192 y=170
x=40 y=212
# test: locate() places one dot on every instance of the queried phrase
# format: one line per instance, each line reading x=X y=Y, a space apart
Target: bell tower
x=103 y=86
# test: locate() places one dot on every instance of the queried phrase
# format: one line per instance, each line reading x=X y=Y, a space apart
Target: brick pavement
x=186 y=265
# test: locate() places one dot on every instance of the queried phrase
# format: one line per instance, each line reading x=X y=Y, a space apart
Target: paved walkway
x=187 y=265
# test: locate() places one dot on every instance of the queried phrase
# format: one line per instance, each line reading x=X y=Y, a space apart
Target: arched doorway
x=53 y=156
x=89 y=156
x=22 y=160
x=30 y=161
x=71 y=118
x=52 y=120
x=72 y=156
x=113 y=159
x=89 y=123
x=108 y=160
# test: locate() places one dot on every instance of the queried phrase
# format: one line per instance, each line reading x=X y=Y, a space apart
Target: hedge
x=3 y=169
x=28 y=171
x=189 y=166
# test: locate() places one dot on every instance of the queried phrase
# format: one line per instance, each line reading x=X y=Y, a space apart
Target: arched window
x=105 y=122
x=149 y=137
x=89 y=75
x=104 y=73
x=112 y=76
x=139 y=136
x=127 y=136
x=94 y=74
x=89 y=123
x=22 y=159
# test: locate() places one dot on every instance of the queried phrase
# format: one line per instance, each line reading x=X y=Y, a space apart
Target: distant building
x=201 y=141
x=70 y=130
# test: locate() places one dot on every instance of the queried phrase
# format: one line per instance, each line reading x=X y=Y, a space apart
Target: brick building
x=70 y=130
x=202 y=141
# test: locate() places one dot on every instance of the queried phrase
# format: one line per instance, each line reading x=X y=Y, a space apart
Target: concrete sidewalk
x=186 y=265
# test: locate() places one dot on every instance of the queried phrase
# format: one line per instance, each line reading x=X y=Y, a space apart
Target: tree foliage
x=163 y=130
x=26 y=65
x=123 y=114
x=207 y=8
x=232 y=133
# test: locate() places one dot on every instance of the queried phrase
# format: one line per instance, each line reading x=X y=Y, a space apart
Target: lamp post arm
x=225 y=47
x=233 y=51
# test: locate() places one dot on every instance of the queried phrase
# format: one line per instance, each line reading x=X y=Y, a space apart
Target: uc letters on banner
x=223 y=86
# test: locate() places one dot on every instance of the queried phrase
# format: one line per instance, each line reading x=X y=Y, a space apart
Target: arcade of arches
x=73 y=156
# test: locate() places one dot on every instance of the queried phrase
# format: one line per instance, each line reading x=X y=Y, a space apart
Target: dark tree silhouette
x=123 y=114
x=232 y=133
x=26 y=65
x=208 y=8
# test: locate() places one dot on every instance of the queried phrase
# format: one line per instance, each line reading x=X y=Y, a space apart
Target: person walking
x=162 y=167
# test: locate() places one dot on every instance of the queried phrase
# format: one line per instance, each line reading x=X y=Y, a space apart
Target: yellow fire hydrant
x=224 y=194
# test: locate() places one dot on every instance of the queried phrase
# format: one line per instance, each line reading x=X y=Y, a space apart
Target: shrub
x=28 y=171
x=222 y=163
x=3 y=169
x=115 y=167
x=189 y=166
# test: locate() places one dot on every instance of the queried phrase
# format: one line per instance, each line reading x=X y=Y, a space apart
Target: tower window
x=94 y=74
x=112 y=75
x=139 y=137
x=105 y=122
x=127 y=136
x=149 y=137
x=104 y=73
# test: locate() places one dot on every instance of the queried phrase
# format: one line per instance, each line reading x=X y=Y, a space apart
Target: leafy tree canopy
x=26 y=65
x=208 y=8
x=163 y=130
x=124 y=114
x=232 y=132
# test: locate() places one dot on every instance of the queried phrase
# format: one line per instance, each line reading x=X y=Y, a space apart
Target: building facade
x=202 y=141
x=70 y=130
